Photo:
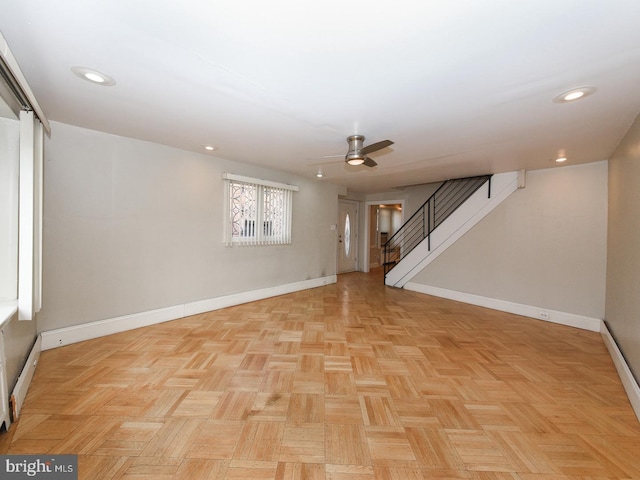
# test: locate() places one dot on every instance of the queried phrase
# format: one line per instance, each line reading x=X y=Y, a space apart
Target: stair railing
x=445 y=200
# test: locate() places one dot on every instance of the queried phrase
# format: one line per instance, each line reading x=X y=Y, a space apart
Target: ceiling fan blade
x=327 y=156
x=369 y=163
x=374 y=147
x=325 y=162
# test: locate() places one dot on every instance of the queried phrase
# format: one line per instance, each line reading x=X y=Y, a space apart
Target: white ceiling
x=462 y=87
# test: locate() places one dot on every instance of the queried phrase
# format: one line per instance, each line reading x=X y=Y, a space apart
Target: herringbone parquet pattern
x=350 y=381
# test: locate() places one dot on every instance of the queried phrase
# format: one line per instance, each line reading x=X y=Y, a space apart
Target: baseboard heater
x=24 y=380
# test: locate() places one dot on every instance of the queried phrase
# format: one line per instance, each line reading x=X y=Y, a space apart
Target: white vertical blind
x=38 y=198
x=30 y=216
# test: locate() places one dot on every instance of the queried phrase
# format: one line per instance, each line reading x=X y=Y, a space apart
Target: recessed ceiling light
x=93 y=76
x=574 y=94
x=561 y=159
x=210 y=148
x=319 y=175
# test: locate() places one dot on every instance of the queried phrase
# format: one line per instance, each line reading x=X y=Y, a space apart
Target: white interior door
x=347 y=236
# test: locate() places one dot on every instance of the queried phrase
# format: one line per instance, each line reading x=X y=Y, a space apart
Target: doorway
x=383 y=219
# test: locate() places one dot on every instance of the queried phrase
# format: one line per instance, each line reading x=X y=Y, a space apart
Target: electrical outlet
x=543 y=315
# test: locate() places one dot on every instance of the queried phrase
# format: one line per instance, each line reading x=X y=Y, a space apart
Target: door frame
x=368 y=206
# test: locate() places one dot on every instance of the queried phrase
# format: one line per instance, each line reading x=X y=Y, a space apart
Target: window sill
x=7 y=310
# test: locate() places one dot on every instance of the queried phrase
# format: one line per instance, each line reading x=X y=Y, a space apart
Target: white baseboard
x=626 y=377
x=217 y=303
x=86 y=331
x=24 y=380
x=539 y=313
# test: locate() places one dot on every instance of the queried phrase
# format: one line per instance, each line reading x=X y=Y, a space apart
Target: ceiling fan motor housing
x=354 y=155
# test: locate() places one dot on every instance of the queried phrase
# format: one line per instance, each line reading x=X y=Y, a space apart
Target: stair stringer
x=454 y=227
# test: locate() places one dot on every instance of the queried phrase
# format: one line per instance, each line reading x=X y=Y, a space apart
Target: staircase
x=448 y=214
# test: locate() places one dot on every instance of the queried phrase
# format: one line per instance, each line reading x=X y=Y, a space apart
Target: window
x=347 y=235
x=21 y=199
x=258 y=212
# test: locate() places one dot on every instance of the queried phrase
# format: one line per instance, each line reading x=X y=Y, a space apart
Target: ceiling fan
x=358 y=154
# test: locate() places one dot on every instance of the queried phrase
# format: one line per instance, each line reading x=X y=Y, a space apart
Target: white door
x=347 y=236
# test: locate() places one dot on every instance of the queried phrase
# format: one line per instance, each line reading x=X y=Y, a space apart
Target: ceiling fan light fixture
x=355 y=160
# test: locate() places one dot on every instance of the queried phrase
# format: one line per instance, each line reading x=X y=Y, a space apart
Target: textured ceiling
x=462 y=88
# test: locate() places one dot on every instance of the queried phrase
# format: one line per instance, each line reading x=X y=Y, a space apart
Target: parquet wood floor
x=349 y=381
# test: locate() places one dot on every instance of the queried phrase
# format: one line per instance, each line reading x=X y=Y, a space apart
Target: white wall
x=545 y=246
x=132 y=226
x=623 y=259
